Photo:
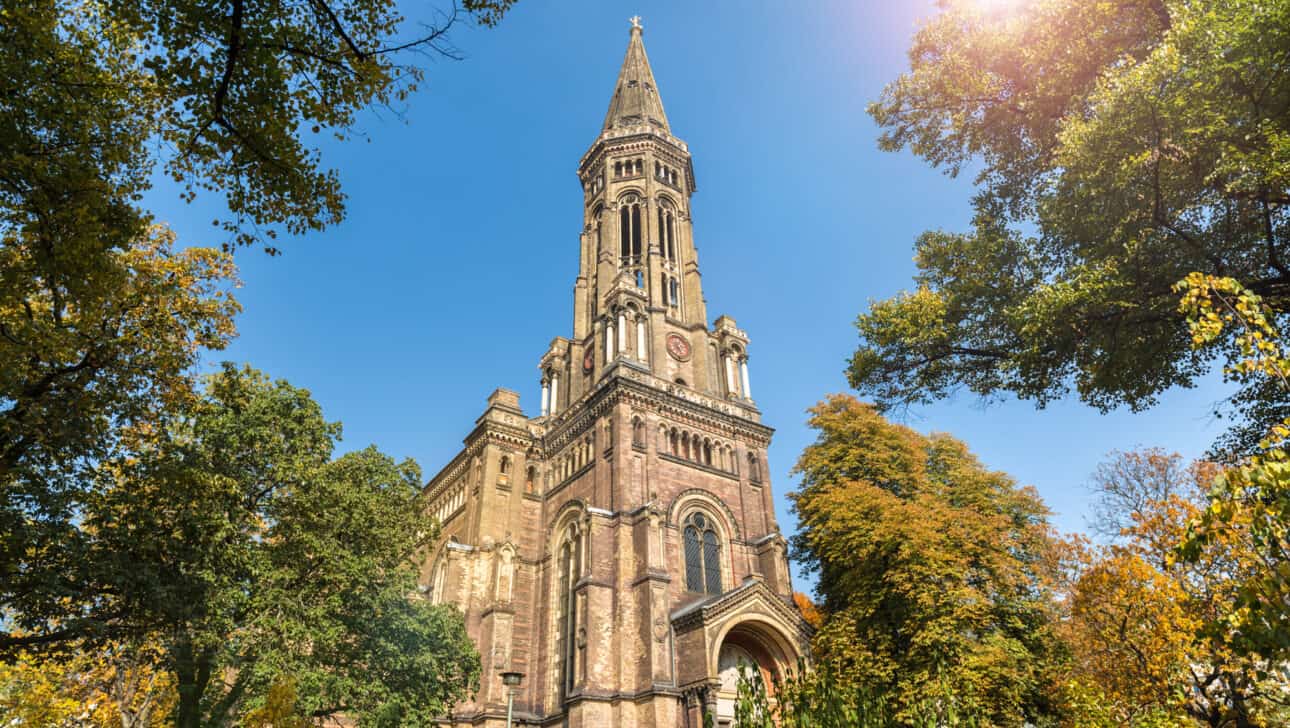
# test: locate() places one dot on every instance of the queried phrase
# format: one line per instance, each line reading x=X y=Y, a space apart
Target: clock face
x=588 y=361
x=678 y=347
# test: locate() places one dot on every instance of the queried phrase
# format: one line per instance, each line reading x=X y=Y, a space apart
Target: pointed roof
x=636 y=100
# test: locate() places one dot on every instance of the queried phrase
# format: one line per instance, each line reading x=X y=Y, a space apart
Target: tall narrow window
x=671 y=238
x=666 y=231
x=629 y=230
x=636 y=232
x=711 y=563
x=624 y=231
x=570 y=566
x=662 y=239
x=702 y=555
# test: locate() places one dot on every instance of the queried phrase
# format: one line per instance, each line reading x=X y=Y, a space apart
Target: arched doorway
x=747 y=646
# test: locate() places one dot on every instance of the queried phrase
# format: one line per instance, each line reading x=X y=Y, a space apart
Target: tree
x=810 y=612
x=82 y=359
x=254 y=556
x=1249 y=503
x=936 y=575
x=227 y=97
x=100 y=320
x=1152 y=633
x=1118 y=146
x=115 y=687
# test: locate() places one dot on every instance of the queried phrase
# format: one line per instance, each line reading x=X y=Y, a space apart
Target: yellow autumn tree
x=1143 y=627
x=113 y=688
x=934 y=573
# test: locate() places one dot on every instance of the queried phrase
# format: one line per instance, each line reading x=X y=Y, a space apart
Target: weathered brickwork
x=620 y=547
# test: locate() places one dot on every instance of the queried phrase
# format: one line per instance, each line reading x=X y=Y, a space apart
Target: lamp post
x=512 y=681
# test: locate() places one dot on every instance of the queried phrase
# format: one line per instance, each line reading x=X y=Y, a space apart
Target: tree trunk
x=192 y=675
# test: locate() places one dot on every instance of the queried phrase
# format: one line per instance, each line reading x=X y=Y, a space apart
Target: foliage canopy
x=1118 y=146
x=936 y=575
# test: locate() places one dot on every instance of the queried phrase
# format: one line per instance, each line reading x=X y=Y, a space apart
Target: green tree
x=82 y=359
x=936 y=575
x=256 y=557
x=1117 y=145
x=100 y=320
x=816 y=698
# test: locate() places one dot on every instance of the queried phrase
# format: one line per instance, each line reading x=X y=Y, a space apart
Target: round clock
x=678 y=347
x=588 y=361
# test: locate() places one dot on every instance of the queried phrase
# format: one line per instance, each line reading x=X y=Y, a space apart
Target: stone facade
x=620 y=549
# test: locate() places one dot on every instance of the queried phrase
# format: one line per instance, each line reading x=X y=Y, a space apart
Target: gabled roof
x=636 y=99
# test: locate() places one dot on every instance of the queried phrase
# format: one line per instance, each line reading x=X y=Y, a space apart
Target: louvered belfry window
x=702 y=555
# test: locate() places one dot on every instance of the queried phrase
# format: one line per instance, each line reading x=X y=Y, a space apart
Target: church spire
x=636 y=100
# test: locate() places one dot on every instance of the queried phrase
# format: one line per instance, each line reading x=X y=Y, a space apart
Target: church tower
x=620 y=548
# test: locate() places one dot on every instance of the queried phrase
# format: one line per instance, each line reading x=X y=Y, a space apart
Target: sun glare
x=999 y=7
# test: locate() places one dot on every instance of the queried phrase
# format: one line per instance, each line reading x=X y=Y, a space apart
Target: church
x=620 y=549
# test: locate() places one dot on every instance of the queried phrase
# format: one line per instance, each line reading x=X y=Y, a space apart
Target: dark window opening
x=702 y=555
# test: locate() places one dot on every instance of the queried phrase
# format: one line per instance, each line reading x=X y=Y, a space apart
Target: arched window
x=754 y=468
x=702 y=555
x=530 y=479
x=505 y=465
x=673 y=292
x=666 y=230
x=638 y=433
x=629 y=230
x=569 y=564
x=624 y=231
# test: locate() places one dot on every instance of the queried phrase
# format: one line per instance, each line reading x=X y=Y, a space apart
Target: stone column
x=609 y=341
x=732 y=384
x=743 y=371
x=546 y=397
x=642 y=353
x=622 y=331
x=555 y=392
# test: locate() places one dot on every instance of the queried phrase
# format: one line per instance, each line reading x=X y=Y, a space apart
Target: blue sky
x=455 y=266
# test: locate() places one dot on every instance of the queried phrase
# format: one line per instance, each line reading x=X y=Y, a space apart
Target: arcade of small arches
x=574 y=457
x=701 y=449
x=629 y=168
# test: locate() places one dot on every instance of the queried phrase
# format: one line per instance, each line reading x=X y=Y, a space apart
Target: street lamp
x=512 y=681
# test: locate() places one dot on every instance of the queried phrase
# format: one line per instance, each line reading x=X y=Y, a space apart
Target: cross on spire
x=636 y=21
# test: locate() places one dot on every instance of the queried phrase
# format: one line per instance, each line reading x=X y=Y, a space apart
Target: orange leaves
x=1130 y=632
x=810 y=612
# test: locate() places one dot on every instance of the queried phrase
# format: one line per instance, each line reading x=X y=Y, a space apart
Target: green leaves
x=1121 y=145
x=234 y=535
